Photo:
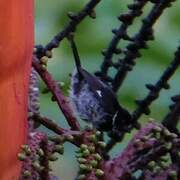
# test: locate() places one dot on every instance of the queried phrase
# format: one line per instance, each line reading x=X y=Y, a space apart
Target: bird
x=93 y=100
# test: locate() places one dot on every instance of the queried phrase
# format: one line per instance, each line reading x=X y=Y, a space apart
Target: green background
x=94 y=35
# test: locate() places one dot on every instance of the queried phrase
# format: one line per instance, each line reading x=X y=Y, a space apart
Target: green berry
x=44 y=60
x=81 y=177
x=163 y=165
x=26 y=174
x=94 y=163
x=99 y=173
x=173 y=174
x=151 y=164
x=102 y=144
x=49 y=54
x=93 y=138
x=98 y=133
x=157 y=129
x=36 y=166
x=79 y=155
x=91 y=149
x=40 y=152
x=26 y=149
x=168 y=145
x=82 y=167
x=21 y=156
x=69 y=137
x=167 y=133
x=85 y=153
x=81 y=160
x=84 y=146
x=53 y=157
x=97 y=157
x=59 y=149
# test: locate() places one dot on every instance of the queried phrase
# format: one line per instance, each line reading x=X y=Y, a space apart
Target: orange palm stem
x=16 y=44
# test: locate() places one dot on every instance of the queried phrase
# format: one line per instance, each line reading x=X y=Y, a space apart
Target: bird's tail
x=76 y=55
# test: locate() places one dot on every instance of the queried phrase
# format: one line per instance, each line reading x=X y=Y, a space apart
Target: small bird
x=93 y=100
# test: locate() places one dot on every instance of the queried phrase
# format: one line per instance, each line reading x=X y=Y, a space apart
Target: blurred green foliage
x=94 y=35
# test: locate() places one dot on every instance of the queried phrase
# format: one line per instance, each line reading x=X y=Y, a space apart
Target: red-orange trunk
x=16 y=44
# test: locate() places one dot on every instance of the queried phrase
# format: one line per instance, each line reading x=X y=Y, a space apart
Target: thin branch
x=57 y=94
x=76 y=19
x=139 y=42
x=50 y=124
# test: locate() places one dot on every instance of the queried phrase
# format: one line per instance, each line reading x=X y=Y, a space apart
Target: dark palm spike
x=120 y=33
x=173 y=117
x=75 y=20
x=154 y=90
x=75 y=53
x=139 y=42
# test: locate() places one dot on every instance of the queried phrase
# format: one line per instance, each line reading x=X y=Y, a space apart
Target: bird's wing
x=103 y=92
